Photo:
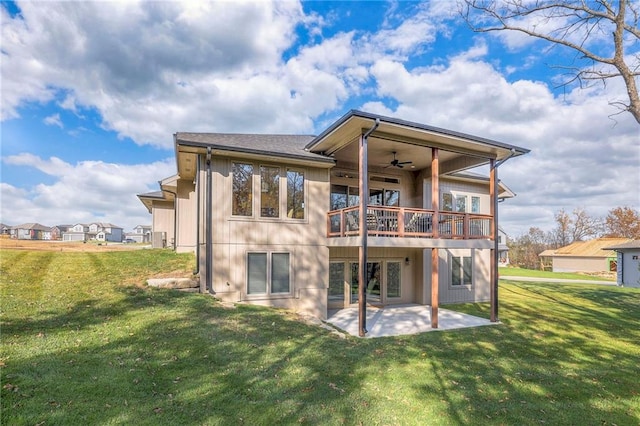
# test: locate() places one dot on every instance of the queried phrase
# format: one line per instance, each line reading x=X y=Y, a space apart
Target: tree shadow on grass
x=164 y=357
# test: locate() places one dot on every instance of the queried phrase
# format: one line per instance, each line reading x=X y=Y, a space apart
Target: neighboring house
x=584 y=256
x=279 y=220
x=58 y=230
x=503 y=249
x=31 y=231
x=140 y=234
x=5 y=229
x=628 y=263
x=78 y=232
x=100 y=231
x=107 y=232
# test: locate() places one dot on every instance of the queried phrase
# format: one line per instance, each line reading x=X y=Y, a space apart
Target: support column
x=493 y=194
x=435 y=205
x=362 y=250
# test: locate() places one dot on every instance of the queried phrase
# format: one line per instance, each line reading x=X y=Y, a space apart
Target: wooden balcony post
x=435 y=205
x=465 y=226
x=435 y=191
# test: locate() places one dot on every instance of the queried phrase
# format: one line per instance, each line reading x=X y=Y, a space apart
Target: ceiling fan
x=397 y=163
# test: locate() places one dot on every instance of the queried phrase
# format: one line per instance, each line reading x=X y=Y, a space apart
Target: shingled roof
x=591 y=248
x=292 y=146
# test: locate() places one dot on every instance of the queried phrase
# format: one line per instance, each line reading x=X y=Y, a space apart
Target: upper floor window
x=461 y=203
x=242 y=203
x=295 y=194
x=281 y=191
x=447 y=202
x=475 y=204
x=269 y=191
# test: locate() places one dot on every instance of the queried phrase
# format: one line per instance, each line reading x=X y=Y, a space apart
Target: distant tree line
x=622 y=222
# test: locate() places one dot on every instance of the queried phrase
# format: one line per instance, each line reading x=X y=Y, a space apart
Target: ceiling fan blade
x=405 y=162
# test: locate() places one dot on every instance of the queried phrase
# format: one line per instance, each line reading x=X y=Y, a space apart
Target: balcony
x=405 y=222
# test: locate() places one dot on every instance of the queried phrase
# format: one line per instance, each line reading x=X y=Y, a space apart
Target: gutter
x=196 y=271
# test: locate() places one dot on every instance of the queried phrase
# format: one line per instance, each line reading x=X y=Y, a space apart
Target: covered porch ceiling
x=410 y=141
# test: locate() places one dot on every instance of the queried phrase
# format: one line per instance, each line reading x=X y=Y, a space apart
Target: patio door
x=383 y=282
x=374 y=282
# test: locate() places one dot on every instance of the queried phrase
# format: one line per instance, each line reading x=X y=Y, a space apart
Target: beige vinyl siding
x=163 y=214
x=580 y=264
x=479 y=291
x=305 y=239
x=186 y=216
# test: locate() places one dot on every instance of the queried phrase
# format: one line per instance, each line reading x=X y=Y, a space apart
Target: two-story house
x=373 y=210
x=94 y=231
x=140 y=234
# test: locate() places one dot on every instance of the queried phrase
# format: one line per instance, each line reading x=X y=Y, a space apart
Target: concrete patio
x=397 y=320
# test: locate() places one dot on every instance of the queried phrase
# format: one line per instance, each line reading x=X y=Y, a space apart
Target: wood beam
x=435 y=205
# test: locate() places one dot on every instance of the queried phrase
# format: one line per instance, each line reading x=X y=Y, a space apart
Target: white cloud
x=53 y=120
x=85 y=192
x=153 y=68
x=149 y=68
x=579 y=158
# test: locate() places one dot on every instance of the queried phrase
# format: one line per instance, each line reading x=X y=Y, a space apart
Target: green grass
x=84 y=343
x=521 y=272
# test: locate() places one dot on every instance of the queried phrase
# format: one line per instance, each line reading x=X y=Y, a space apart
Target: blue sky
x=92 y=93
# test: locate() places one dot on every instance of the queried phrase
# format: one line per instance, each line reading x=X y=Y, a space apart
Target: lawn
x=84 y=342
x=521 y=272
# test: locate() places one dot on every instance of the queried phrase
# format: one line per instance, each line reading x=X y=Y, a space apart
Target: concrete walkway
x=397 y=320
x=557 y=280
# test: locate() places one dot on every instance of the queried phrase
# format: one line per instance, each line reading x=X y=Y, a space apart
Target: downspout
x=494 y=310
x=196 y=271
x=364 y=201
x=208 y=226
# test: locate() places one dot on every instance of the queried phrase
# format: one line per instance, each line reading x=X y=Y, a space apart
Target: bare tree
x=623 y=222
x=561 y=235
x=574 y=227
x=579 y=25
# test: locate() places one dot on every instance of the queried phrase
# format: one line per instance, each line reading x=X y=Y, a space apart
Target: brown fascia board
x=413 y=125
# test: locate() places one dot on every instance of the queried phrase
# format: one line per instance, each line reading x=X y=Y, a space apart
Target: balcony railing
x=385 y=221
